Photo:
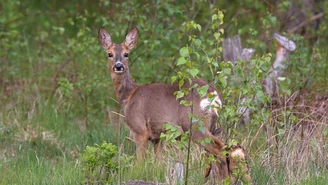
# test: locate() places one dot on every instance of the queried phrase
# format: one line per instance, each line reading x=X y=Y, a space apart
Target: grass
x=41 y=144
x=39 y=170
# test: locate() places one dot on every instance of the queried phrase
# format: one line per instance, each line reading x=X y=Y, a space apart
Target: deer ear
x=131 y=38
x=104 y=38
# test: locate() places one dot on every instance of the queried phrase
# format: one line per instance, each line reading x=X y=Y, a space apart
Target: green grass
x=39 y=170
x=44 y=148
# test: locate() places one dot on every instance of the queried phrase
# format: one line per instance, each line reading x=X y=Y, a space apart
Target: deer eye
x=126 y=55
x=110 y=54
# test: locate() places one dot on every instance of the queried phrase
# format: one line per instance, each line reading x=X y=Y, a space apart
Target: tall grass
x=39 y=170
x=41 y=144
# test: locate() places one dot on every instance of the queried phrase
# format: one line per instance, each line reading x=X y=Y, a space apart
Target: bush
x=100 y=163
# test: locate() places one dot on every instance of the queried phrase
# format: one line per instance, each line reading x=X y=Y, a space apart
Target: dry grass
x=297 y=140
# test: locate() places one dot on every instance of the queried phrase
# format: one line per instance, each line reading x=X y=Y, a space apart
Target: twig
x=121 y=115
x=235 y=16
x=256 y=135
x=190 y=132
x=305 y=22
x=119 y=147
x=269 y=145
x=269 y=4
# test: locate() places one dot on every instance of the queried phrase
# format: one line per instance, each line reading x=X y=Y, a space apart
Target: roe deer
x=148 y=107
x=284 y=47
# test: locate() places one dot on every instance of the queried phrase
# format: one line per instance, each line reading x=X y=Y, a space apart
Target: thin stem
x=190 y=126
x=119 y=151
x=190 y=135
x=86 y=111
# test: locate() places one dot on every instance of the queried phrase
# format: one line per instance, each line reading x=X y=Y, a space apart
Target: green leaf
x=181 y=82
x=173 y=129
x=232 y=143
x=214 y=17
x=281 y=131
x=184 y=52
x=223 y=81
x=214 y=63
x=194 y=120
x=173 y=79
x=197 y=42
x=259 y=95
x=227 y=71
x=217 y=35
x=220 y=17
x=199 y=27
x=194 y=72
x=202 y=130
x=179 y=94
x=185 y=103
x=202 y=91
x=181 y=61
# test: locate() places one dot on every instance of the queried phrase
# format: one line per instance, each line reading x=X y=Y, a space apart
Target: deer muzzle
x=118 y=67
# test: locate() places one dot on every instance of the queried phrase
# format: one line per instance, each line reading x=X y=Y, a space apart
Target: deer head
x=118 y=54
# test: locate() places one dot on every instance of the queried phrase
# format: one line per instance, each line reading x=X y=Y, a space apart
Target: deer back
x=156 y=104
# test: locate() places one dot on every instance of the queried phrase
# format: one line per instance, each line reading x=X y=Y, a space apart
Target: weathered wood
x=176 y=175
x=247 y=54
x=232 y=49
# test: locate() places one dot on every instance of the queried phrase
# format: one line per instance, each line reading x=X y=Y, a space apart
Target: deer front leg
x=138 y=129
x=140 y=140
x=158 y=148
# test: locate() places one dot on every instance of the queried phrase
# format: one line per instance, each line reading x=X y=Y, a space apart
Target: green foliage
x=100 y=163
x=66 y=87
x=174 y=137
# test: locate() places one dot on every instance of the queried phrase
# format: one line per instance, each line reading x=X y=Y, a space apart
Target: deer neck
x=280 y=64
x=123 y=86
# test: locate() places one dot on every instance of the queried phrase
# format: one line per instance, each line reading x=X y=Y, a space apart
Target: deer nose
x=118 y=67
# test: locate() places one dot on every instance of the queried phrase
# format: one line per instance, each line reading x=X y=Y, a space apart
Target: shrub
x=100 y=163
